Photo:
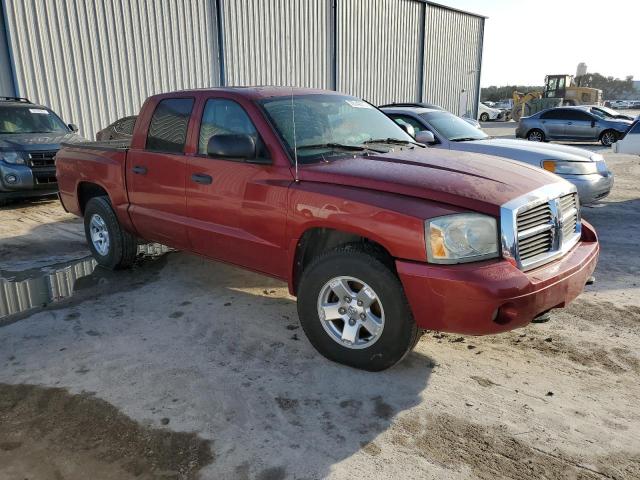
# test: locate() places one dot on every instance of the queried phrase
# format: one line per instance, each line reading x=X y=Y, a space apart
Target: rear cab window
x=168 y=127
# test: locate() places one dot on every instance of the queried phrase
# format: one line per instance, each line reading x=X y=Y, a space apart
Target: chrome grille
x=540 y=226
x=535 y=231
x=569 y=211
x=42 y=159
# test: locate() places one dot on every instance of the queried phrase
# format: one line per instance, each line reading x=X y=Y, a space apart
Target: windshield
x=329 y=125
x=30 y=119
x=604 y=112
x=453 y=128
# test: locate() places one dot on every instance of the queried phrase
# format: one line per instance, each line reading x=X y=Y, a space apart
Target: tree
x=612 y=88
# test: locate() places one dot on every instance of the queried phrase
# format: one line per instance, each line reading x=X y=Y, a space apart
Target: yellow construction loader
x=558 y=90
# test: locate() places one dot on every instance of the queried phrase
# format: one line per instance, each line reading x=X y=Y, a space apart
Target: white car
x=630 y=143
x=620 y=104
x=487 y=113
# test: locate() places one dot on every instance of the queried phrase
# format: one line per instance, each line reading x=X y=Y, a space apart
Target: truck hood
x=29 y=142
x=468 y=180
x=506 y=147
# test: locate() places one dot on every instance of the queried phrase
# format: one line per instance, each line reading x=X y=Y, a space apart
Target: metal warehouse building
x=94 y=61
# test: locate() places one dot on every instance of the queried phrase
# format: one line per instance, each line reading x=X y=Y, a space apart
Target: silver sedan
x=585 y=169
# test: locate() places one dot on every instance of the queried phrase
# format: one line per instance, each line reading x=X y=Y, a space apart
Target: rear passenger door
x=554 y=122
x=237 y=208
x=156 y=175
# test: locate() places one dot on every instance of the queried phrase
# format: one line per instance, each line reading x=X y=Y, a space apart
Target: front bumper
x=26 y=182
x=494 y=296
x=591 y=188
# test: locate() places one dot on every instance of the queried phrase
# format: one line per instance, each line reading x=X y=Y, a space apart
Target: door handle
x=202 y=178
x=569 y=123
x=139 y=170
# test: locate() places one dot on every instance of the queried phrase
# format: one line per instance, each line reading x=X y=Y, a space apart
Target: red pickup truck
x=377 y=236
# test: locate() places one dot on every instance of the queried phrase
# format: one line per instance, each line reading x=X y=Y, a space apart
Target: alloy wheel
x=351 y=312
x=99 y=234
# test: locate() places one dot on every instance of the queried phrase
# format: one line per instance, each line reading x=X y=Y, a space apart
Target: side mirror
x=234 y=146
x=73 y=127
x=408 y=129
x=426 y=137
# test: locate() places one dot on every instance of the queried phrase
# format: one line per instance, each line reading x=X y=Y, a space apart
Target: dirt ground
x=182 y=368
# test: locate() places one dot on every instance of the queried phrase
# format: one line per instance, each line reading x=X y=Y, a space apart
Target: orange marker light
x=549 y=165
x=437 y=243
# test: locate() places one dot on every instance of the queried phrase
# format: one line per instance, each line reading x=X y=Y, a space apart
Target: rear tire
x=372 y=295
x=608 y=138
x=535 y=135
x=111 y=245
x=484 y=117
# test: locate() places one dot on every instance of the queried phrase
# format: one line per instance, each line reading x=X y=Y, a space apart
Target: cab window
x=168 y=127
x=226 y=117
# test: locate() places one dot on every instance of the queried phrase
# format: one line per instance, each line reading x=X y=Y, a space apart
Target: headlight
x=14 y=158
x=459 y=238
x=570 y=168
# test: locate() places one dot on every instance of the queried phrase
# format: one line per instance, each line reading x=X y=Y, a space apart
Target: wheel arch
x=316 y=240
x=544 y=135
x=88 y=190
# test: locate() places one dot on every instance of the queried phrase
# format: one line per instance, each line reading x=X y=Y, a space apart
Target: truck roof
x=255 y=92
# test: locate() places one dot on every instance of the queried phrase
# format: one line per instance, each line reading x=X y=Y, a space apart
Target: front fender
x=395 y=222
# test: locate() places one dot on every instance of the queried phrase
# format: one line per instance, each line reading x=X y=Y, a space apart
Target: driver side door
x=237 y=207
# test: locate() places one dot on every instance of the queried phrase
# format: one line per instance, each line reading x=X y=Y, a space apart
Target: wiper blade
x=392 y=141
x=464 y=139
x=341 y=146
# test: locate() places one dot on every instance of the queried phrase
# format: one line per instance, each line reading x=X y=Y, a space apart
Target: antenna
x=295 y=143
x=293 y=112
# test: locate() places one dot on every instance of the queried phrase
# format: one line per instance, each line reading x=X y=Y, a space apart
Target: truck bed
x=102 y=145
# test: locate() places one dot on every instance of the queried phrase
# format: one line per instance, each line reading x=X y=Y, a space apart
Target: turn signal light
x=549 y=165
x=437 y=243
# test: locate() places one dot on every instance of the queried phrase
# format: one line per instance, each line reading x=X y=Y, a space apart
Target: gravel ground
x=182 y=368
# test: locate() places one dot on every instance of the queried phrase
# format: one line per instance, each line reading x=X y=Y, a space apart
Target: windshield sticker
x=359 y=104
x=41 y=111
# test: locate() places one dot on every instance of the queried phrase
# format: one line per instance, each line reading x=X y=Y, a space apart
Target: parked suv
x=571 y=123
x=30 y=136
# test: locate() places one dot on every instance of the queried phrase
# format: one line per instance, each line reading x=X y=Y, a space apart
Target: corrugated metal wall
x=379 y=49
x=278 y=42
x=453 y=56
x=94 y=61
x=6 y=70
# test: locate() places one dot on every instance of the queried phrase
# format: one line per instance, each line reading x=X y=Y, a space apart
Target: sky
x=526 y=40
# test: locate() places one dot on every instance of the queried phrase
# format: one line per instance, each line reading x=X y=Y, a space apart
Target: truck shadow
x=618 y=228
x=219 y=351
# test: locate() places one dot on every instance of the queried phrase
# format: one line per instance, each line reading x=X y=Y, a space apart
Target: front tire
x=608 y=138
x=111 y=245
x=484 y=117
x=535 y=135
x=353 y=309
